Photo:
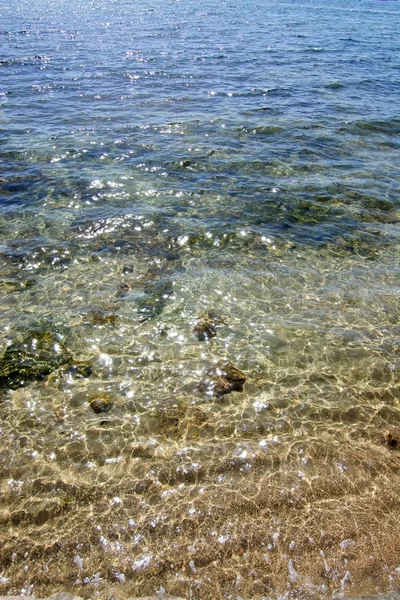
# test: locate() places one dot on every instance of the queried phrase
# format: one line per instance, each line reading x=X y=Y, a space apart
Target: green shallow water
x=161 y=164
x=292 y=482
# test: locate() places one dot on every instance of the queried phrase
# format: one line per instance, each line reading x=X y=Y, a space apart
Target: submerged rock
x=222 y=379
x=80 y=370
x=150 y=290
x=40 y=353
x=102 y=316
x=206 y=326
x=155 y=299
x=391 y=441
x=101 y=405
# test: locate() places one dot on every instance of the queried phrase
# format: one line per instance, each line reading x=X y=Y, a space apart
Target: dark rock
x=222 y=379
x=41 y=352
x=206 y=326
x=79 y=370
x=98 y=315
x=155 y=299
x=101 y=405
x=123 y=289
x=391 y=441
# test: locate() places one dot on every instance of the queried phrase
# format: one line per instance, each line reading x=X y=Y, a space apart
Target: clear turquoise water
x=163 y=159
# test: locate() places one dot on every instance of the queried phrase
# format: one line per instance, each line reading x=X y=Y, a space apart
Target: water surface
x=164 y=160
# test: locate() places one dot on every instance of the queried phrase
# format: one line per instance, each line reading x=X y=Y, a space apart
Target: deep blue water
x=170 y=164
x=231 y=99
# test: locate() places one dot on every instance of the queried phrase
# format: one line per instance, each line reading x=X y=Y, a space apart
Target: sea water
x=188 y=187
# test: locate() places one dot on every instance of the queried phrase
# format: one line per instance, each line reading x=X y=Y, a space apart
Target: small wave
x=351 y=40
x=24 y=60
x=314 y=49
x=334 y=85
x=388 y=127
x=261 y=130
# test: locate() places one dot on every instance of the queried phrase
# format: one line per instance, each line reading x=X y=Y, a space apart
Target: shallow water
x=160 y=161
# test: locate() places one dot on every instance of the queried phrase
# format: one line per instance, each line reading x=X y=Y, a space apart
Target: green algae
x=39 y=353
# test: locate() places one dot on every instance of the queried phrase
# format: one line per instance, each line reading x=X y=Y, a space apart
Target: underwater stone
x=102 y=316
x=101 y=405
x=40 y=353
x=156 y=296
x=206 y=326
x=390 y=440
x=79 y=370
x=222 y=379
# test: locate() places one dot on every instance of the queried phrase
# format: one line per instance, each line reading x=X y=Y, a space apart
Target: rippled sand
x=290 y=486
